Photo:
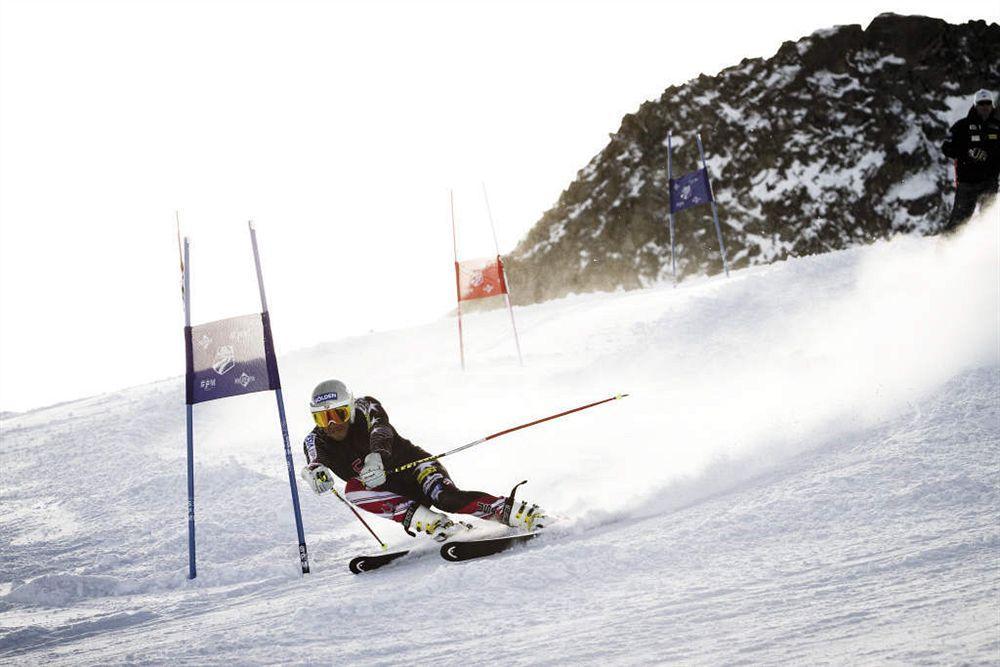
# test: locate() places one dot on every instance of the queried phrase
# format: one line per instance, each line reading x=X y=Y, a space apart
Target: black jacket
x=973 y=132
x=370 y=431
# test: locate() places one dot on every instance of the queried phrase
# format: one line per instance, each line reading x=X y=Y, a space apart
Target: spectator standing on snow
x=974 y=144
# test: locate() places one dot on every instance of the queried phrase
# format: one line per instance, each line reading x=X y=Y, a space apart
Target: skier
x=974 y=144
x=354 y=440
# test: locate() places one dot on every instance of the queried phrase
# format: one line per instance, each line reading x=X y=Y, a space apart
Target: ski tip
x=368 y=563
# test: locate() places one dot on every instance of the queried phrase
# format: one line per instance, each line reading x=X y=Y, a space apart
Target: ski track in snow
x=806 y=471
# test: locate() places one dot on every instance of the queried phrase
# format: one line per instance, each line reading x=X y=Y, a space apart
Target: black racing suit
x=427 y=484
x=976 y=178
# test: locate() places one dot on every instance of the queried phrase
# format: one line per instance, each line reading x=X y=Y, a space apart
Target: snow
x=635 y=182
x=782 y=76
x=913 y=138
x=805 y=472
x=956 y=108
x=707 y=98
x=589 y=172
x=824 y=33
x=716 y=163
x=834 y=85
x=870 y=61
x=888 y=60
x=916 y=186
x=816 y=177
x=557 y=229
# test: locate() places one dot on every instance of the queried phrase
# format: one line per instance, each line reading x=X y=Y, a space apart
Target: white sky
x=339 y=127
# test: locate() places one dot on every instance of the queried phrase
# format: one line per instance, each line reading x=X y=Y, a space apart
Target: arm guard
x=309 y=447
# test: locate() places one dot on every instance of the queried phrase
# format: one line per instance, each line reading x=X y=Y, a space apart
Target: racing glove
x=320 y=477
x=372 y=475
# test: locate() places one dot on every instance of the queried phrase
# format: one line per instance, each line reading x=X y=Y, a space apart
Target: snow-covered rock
x=832 y=142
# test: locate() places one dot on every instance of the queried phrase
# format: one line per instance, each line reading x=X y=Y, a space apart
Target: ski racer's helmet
x=332 y=402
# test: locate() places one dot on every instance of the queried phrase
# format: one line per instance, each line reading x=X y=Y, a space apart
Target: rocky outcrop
x=833 y=141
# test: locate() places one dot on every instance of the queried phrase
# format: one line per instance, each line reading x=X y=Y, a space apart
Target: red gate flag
x=479 y=278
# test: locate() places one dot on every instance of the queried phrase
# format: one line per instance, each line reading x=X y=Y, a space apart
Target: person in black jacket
x=353 y=440
x=974 y=144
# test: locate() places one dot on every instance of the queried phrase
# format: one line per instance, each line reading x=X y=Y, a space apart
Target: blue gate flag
x=689 y=190
x=228 y=358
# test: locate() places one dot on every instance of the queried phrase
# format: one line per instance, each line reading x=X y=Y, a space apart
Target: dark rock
x=834 y=141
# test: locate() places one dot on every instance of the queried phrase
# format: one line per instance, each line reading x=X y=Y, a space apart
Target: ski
x=375 y=561
x=459 y=550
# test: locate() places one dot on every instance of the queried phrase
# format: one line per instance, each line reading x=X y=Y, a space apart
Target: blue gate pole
x=715 y=212
x=276 y=383
x=670 y=195
x=192 y=569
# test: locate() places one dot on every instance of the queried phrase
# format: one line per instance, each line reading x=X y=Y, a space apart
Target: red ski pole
x=412 y=464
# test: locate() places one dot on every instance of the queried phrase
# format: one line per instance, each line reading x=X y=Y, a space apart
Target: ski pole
x=363 y=522
x=412 y=464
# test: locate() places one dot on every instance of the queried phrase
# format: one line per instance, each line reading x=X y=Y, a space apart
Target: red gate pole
x=458 y=284
x=503 y=277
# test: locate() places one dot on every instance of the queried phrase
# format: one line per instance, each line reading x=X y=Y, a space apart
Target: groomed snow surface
x=806 y=472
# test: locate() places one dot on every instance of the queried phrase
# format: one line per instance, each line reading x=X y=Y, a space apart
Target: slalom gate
x=226 y=358
x=687 y=191
x=479 y=279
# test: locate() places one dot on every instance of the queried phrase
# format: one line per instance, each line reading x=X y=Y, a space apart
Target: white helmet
x=983 y=95
x=333 y=402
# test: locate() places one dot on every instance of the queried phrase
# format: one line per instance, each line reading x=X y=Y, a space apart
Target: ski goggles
x=338 y=415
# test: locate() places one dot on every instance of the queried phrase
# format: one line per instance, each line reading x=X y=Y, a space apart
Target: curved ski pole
x=363 y=522
x=413 y=464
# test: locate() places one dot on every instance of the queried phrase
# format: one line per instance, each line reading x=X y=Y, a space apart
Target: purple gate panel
x=227 y=358
x=689 y=190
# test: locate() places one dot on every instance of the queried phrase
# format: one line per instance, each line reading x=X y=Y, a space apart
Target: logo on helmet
x=323 y=398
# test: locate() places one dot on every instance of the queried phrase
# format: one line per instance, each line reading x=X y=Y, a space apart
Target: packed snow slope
x=806 y=471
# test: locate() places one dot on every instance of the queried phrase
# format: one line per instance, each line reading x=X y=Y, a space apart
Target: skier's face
x=984 y=109
x=335 y=421
x=337 y=431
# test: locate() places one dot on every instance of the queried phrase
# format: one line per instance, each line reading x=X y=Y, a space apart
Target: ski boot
x=519 y=514
x=439 y=526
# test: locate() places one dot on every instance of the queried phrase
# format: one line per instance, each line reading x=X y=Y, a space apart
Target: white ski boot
x=519 y=514
x=422 y=519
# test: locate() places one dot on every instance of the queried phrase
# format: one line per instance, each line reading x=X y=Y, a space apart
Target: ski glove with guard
x=320 y=477
x=372 y=474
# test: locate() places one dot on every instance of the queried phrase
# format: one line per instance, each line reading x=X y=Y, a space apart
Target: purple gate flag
x=689 y=190
x=228 y=358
